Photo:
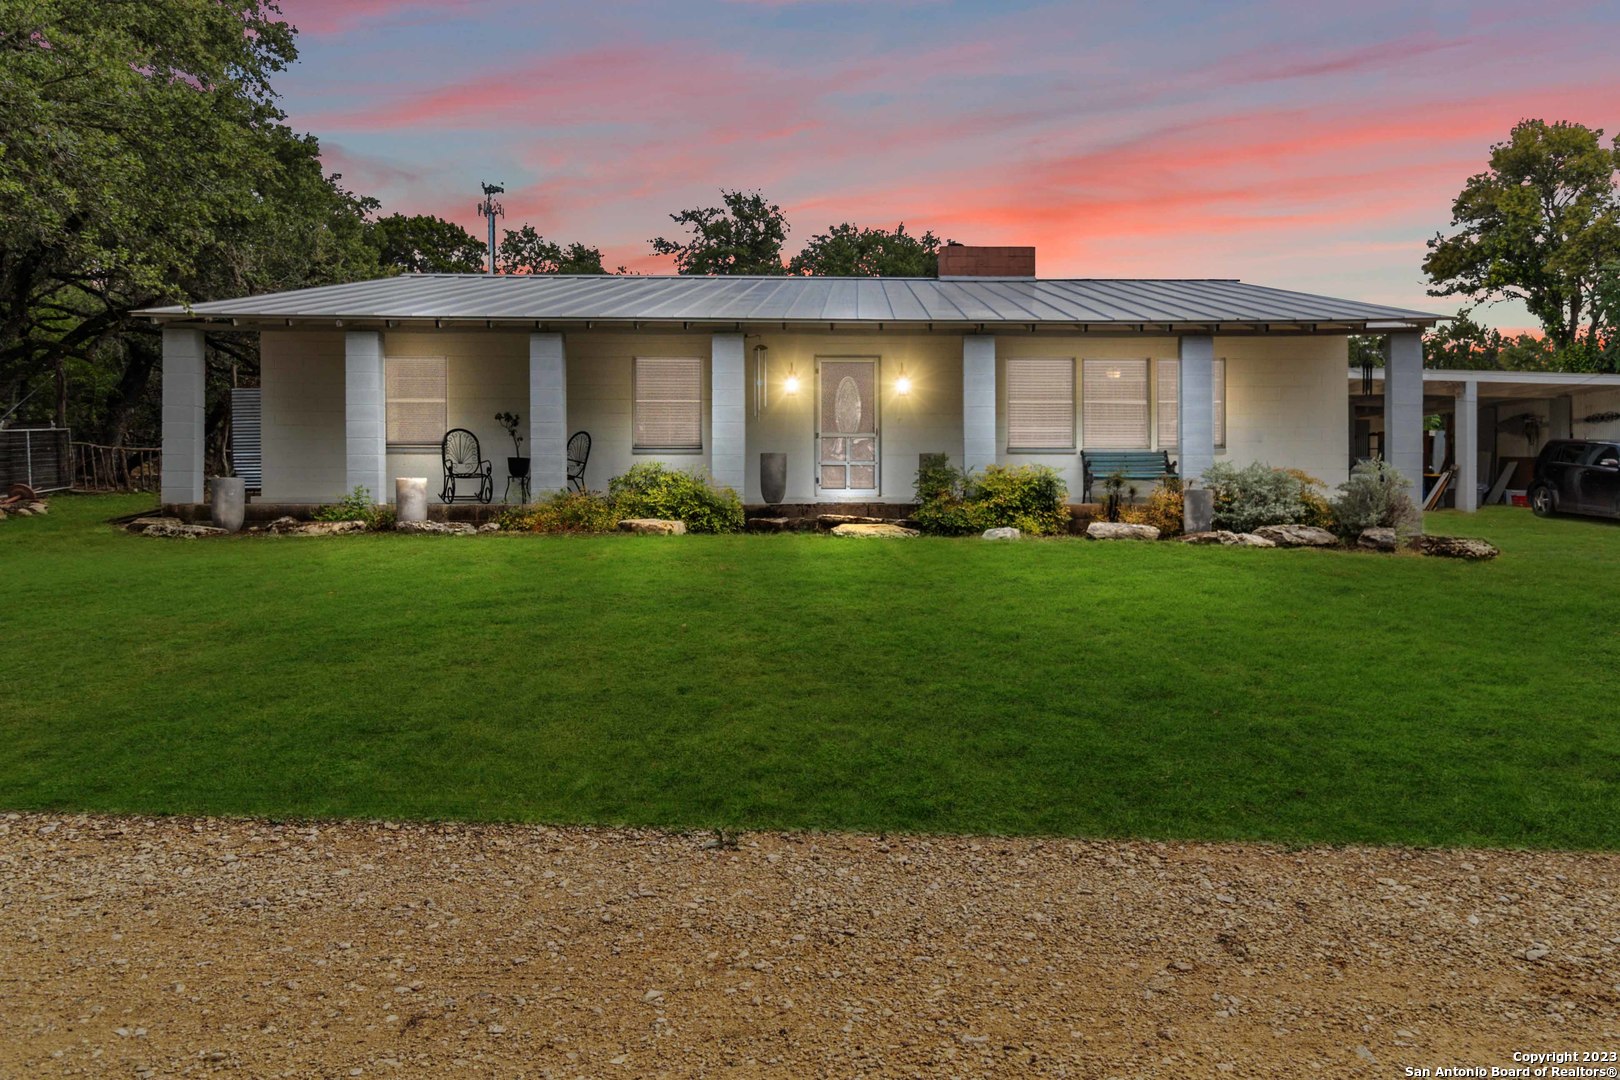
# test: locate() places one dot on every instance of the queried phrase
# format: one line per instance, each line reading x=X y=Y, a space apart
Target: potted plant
x=517 y=466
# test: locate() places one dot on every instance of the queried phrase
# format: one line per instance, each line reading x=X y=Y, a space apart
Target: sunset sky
x=1305 y=145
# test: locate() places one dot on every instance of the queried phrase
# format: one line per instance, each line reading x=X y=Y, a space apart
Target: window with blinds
x=1168 y=395
x=669 y=403
x=1115 y=409
x=1040 y=404
x=415 y=402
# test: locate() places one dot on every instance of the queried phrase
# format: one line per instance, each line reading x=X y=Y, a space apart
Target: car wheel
x=1542 y=500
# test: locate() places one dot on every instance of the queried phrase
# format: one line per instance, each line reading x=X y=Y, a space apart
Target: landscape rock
x=490 y=527
x=1377 y=540
x=1226 y=538
x=179 y=530
x=879 y=530
x=2 y=515
x=768 y=524
x=1119 y=530
x=828 y=522
x=653 y=527
x=1297 y=536
x=21 y=511
x=1455 y=547
x=38 y=508
x=440 y=528
x=1003 y=533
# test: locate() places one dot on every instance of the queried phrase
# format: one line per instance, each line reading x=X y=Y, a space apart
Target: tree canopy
x=424 y=244
x=848 y=250
x=525 y=251
x=745 y=236
x=1542 y=225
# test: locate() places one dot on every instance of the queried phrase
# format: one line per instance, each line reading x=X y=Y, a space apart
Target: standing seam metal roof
x=1093 y=301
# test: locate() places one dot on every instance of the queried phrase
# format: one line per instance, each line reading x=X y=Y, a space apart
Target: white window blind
x=669 y=403
x=415 y=400
x=1169 y=383
x=1115 y=396
x=1040 y=404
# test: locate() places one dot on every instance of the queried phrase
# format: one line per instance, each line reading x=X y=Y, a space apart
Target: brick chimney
x=961 y=260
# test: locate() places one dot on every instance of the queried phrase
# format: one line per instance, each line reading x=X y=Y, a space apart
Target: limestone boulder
x=653 y=527
x=490 y=527
x=879 y=530
x=1119 y=530
x=436 y=528
x=1377 y=540
x=768 y=524
x=179 y=530
x=828 y=522
x=1455 y=547
x=1297 y=536
x=1225 y=538
x=1005 y=532
x=38 y=508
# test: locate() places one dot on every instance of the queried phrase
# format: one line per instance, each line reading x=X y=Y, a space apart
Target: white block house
x=852 y=379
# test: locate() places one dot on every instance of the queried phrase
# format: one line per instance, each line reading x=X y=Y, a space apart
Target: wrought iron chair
x=579 y=452
x=462 y=461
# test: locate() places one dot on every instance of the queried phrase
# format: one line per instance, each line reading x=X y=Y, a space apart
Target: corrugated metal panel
x=38 y=457
x=247 y=444
x=803 y=299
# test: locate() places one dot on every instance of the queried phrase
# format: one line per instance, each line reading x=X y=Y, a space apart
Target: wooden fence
x=117 y=468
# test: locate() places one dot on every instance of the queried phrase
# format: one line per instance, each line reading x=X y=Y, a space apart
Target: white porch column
x=365 y=414
x=1195 y=406
x=728 y=453
x=185 y=416
x=548 y=414
x=1403 y=409
x=1467 y=449
x=1561 y=417
x=978 y=401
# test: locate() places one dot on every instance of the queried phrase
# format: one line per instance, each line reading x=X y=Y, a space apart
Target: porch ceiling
x=995 y=304
x=1500 y=385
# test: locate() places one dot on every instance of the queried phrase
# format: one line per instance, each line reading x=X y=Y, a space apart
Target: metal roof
x=1023 y=302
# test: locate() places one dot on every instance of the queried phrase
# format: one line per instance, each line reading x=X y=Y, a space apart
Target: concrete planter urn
x=517 y=467
x=410 y=499
x=227 y=502
x=772 y=477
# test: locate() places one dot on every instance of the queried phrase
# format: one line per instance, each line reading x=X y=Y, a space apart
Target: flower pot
x=517 y=467
x=227 y=502
x=772 y=477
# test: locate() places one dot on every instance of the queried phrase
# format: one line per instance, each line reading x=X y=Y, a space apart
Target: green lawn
x=806 y=682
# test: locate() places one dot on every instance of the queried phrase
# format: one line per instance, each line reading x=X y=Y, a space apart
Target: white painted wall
x=1597 y=401
x=1286 y=401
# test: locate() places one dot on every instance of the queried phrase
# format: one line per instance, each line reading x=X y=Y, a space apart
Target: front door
x=847 y=428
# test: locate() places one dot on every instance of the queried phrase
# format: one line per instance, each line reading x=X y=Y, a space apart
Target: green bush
x=1375 y=497
x=653 y=490
x=564 y=512
x=1254 y=495
x=1030 y=498
x=357 y=506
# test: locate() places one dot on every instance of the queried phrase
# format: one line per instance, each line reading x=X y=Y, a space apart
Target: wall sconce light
x=902 y=382
x=791 y=383
x=761 y=379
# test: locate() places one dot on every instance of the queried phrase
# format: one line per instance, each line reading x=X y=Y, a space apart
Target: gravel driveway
x=141 y=947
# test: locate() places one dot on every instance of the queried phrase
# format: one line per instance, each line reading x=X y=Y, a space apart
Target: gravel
x=186 y=947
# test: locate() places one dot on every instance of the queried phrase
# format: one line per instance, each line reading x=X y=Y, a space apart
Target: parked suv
x=1577 y=476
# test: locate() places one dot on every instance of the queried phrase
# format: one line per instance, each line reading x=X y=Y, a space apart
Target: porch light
x=902 y=382
x=791 y=383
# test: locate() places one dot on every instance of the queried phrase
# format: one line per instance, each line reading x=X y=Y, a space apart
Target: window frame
x=637 y=447
x=1147 y=403
x=390 y=444
x=1016 y=447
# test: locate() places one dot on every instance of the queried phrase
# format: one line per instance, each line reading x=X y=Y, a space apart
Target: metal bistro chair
x=462 y=461
x=579 y=452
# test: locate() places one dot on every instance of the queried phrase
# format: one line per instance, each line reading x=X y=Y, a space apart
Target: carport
x=1491 y=424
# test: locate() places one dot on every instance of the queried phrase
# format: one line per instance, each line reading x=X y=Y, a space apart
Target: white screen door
x=847 y=428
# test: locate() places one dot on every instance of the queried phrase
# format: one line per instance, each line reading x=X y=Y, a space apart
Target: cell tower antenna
x=491 y=210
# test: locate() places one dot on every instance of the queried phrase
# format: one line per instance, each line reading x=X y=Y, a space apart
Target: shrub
x=564 y=512
x=1254 y=495
x=653 y=490
x=1312 y=492
x=357 y=506
x=1375 y=497
x=1162 y=509
x=1030 y=498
